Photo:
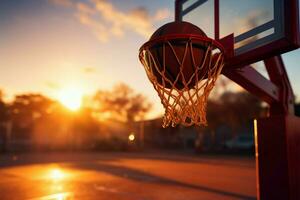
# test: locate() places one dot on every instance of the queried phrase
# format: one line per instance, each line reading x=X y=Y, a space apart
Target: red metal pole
x=278 y=141
x=217 y=19
x=277 y=137
x=278 y=157
x=279 y=77
x=177 y=10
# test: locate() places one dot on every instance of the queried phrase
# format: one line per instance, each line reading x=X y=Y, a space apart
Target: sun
x=71 y=98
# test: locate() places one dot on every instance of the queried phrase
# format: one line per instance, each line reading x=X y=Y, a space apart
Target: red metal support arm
x=255 y=83
x=277 y=91
x=279 y=77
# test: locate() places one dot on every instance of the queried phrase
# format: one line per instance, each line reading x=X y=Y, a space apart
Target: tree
x=26 y=110
x=121 y=103
x=297 y=109
x=240 y=107
x=4 y=116
x=234 y=109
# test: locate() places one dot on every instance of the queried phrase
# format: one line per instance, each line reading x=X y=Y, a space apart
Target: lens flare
x=71 y=98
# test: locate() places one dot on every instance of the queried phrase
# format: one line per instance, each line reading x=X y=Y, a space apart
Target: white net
x=186 y=104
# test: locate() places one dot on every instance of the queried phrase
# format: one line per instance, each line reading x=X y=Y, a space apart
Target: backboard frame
x=290 y=41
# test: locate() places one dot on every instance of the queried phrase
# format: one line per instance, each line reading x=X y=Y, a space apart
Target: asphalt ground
x=134 y=176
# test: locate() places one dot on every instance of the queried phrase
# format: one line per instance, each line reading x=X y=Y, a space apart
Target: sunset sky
x=50 y=46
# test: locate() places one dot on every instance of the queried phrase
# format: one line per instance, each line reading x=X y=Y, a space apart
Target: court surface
x=134 y=176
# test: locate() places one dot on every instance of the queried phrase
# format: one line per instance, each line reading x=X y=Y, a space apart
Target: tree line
x=114 y=111
x=38 y=118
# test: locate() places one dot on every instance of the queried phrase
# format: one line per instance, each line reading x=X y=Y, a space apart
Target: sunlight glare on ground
x=71 y=98
x=56 y=174
x=58 y=196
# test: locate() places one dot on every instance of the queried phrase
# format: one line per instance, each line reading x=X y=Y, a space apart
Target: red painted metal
x=278 y=136
x=255 y=83
x=279 y=77
x=292 y=23
x=178 y=7
x=267 y=51
x=277 y=92
x=227 y=43
x=217 y=19
x=278 y=162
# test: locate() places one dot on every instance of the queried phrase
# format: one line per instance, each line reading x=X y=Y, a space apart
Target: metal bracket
x=278 y=75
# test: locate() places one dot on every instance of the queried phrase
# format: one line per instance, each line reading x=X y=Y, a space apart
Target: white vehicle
x=241 y=142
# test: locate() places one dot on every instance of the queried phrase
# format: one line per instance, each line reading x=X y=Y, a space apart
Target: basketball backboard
x=251 y=30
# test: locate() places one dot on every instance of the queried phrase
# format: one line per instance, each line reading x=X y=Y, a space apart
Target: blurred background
x=71 y=80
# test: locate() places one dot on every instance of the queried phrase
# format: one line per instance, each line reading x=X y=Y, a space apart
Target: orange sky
x=50 y=45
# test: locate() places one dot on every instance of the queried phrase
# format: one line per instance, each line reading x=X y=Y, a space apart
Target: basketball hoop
x=183 y=69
